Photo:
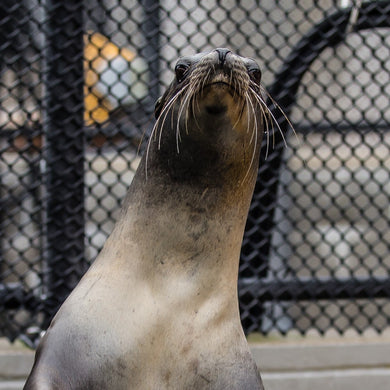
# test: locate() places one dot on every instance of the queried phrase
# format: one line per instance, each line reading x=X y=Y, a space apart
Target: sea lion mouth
x=219 y=83
x=223 y=86
x=231 y=78
x=217 y=95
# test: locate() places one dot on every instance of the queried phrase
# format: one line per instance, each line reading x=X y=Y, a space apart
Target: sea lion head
x=211 y=117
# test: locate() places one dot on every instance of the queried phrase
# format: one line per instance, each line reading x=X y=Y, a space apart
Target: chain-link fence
x=78 y=84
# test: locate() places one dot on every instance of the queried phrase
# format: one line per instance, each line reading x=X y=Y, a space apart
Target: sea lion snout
x=218 y=81
x=222 y=54
x=222 y=64
x=220 y=68
x=216 y=93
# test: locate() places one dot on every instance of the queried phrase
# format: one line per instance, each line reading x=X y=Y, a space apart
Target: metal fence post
x=64 y=151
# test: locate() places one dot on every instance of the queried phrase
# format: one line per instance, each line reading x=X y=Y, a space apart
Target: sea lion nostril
x=222 y=54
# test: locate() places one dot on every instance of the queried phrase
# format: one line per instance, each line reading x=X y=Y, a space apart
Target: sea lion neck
x=167 y=179
x=192 y=227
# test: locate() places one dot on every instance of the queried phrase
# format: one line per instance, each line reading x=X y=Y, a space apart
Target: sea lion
x=158 y=308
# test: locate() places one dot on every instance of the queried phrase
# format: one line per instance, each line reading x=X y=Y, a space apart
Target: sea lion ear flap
x=158 y=107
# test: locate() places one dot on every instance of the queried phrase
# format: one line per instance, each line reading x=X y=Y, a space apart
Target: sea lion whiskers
x=160 y=124
x=273 y=121
x=261 y=101
x=197 y=92
x=240 y=84
x=240 y=115
x=196 y=107
x=265 y=114
x=254 y=115
x=190 y=98
x=279 y=128
x=193 y=102
x=249 y=102
x=271 y=116
x=187 y=102
x=234 y=83
x=283 y=113
x=183 y=105
x=206 y=79
x=170 y=103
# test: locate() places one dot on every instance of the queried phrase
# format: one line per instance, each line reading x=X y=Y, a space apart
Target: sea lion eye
x=255 y=75
x=180 y=70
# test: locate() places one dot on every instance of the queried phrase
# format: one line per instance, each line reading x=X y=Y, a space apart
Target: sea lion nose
x=222 y=54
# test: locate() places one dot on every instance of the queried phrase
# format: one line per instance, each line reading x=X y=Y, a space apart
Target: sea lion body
x=158 y=308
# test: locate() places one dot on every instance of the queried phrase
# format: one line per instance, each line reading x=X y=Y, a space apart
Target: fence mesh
x=78 y=83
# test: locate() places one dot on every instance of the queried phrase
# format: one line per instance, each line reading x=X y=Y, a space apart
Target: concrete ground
x=285 y=364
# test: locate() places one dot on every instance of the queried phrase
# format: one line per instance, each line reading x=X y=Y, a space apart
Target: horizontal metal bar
x=13 y=295
x=341 y=128
x=25 y=135
x=314 y=289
